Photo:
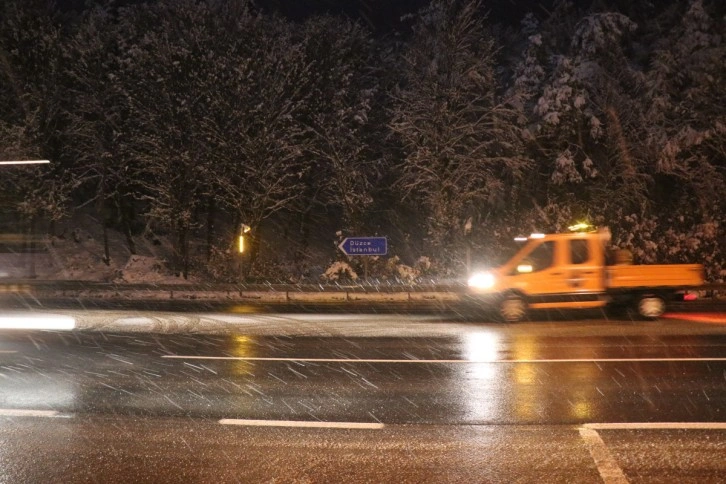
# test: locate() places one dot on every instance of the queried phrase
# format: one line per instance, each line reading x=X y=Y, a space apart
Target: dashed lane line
x=657 y=426
x=302 y=424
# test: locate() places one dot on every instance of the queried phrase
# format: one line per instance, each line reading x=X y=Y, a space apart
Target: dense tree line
x=188 y=118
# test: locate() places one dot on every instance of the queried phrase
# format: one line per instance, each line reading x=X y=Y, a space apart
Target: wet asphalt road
x=235 y=397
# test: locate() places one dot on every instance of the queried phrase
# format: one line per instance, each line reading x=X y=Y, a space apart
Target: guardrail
x=384 y=286
x=270 y=287
x=423 y=294
x=269 y=293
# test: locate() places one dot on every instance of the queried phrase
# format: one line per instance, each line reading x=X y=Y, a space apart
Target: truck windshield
x=537 y=257
x=505 y=255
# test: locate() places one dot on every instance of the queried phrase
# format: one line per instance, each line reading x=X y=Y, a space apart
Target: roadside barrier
x=428 y=294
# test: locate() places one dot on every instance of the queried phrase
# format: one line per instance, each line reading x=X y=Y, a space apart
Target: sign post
x=244 y=229
x=364 y=246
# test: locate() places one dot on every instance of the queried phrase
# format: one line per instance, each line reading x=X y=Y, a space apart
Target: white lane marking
x=367 y=360
x=7 y=352
x=657 y=426
x=609 y=470
x=19 y=412
x=296 y=423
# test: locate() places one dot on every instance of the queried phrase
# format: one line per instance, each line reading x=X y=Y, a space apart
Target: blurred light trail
x=698 y=317
x=40 y=321
x=25 y=162
x=21 y=412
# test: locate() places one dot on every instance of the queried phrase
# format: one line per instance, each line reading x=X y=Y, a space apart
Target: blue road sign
x=364 y=246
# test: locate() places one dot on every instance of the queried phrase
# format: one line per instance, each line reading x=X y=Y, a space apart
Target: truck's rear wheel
x=651 y=306
x=513 y=309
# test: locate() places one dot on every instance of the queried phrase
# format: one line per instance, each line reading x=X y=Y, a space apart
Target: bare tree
x=343 y=164
x=30 y=112
x=169 y=75
x=98 y=122
x=258 y=139
x=462 y=148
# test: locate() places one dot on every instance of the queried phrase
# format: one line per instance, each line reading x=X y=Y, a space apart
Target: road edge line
x=657 y=426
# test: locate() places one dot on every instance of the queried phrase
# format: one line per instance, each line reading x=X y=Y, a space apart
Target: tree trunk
x=253 y=248
x=126 y=213
x=183 y=251
x=211 y=209
x=31 y=230
x=106 y=250
x=626 y=161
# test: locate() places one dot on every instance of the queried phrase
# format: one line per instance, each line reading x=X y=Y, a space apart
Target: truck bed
x=670 y=275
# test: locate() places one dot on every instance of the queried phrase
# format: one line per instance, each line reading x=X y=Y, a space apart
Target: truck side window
x=579 y=251
x=542 y=257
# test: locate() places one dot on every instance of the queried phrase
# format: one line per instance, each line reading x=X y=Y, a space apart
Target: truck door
x=583 y=266
x=537 y=271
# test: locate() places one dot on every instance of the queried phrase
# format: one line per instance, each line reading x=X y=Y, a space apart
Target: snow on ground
x=76 y=253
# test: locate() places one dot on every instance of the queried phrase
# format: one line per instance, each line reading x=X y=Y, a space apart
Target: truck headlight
x=482 y=280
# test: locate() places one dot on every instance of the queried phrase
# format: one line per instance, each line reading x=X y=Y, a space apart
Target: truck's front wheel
x=513 y=309
x=651 y=306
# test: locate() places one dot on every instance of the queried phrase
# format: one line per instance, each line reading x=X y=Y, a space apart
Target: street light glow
x=25 y=162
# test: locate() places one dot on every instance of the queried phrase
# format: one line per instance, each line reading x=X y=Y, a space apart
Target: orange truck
x=579 y=271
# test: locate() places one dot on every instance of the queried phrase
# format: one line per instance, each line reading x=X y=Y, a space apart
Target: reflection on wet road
x=465 y=374
x=370 y=373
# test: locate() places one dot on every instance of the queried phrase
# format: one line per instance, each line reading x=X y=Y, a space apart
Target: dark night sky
x=383 y=15
x=379 y=15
